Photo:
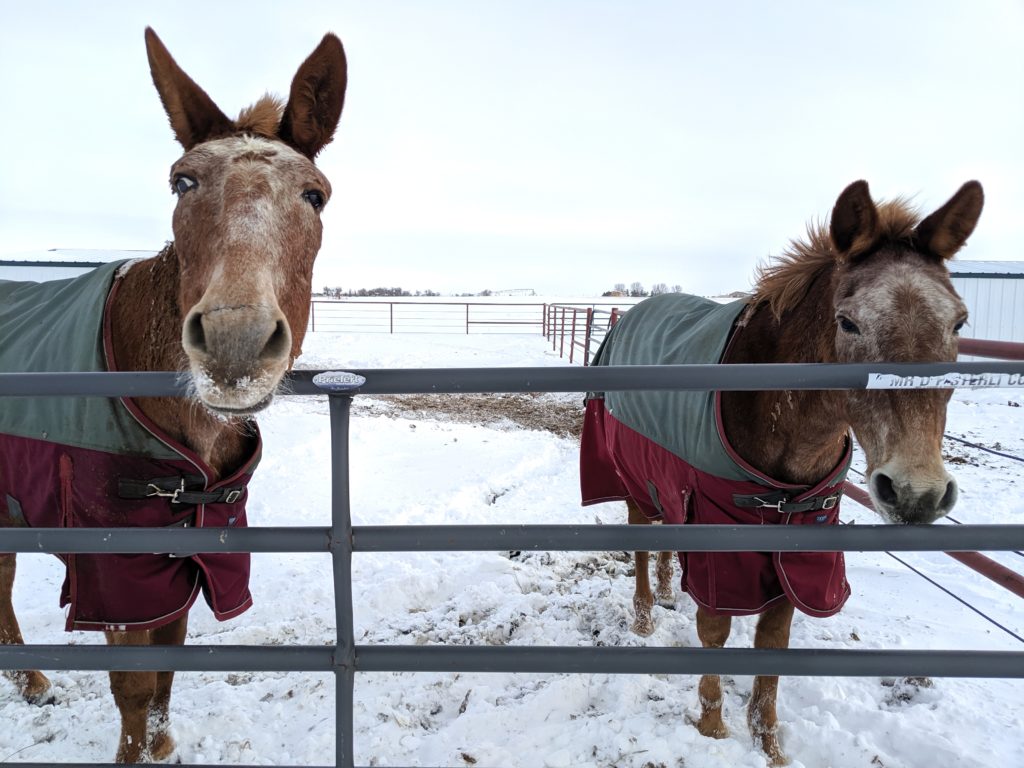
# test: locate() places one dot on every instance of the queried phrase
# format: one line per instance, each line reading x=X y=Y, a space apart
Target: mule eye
x=848 y=325
x=315 y=198
x=183 y=184
x=959 y=326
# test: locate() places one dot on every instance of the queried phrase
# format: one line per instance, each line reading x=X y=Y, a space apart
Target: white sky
x=559 y=146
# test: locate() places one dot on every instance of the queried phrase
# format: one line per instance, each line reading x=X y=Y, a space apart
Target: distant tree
x=658 y=288
x=486 y=292
x=637 y=289
x=621 y=288
x=677 y=289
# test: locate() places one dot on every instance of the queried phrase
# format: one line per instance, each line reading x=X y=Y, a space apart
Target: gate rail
x=341 y=540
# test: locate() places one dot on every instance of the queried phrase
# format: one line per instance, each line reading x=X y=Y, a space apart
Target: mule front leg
x=772 y=632
x=161 y=743
x=713 y=631
x=664 y=592
x=31 y=684
x=133 y=694
x=643 y=598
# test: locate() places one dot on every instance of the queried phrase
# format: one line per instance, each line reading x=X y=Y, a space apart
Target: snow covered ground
x=416 y=469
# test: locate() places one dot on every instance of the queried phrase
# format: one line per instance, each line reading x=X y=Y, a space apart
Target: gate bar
x=498 y=538
x=804 y=662
x=746 y=377
x=687 y=538
x=522 y=659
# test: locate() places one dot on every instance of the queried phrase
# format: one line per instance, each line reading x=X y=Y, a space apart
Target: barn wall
x=41 y=274
x=996 y=306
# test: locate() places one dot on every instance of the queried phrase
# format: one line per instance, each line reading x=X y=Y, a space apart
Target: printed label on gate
x=945 y=381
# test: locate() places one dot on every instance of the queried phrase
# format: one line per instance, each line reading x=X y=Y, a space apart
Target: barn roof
x=1010 y=269
x=70 y=257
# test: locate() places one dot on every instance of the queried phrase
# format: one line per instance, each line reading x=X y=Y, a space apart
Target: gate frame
x=341 y=540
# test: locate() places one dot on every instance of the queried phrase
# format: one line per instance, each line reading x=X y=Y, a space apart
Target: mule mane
x=785 y=280
x=262 y=118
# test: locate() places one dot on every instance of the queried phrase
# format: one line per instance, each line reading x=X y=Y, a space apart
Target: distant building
x=60 y=263
x=994 y=294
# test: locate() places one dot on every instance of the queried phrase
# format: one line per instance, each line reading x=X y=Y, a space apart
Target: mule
x=872 y=286
x=227 y=302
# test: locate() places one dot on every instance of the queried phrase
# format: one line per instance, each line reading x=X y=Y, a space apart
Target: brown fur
x=262 y=118
x=228 y=300
x=784 y=282
x=883 y=266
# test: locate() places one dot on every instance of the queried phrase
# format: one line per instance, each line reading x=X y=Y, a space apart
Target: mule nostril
x=949 y=497
x=193 y=334
x=280 y=342
x=884 y=489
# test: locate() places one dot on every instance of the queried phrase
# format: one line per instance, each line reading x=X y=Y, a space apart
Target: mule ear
x=316 y=99
x=854 y=227
x=944 y=232
x=193 y=115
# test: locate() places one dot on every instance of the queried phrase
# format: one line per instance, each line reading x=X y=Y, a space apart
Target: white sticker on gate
x=945 y=381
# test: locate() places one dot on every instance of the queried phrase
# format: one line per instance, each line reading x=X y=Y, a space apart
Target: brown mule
x=227 y=301
x=871 y=287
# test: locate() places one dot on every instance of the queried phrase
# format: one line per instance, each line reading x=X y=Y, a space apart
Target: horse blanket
x=99 y=462
x=668 y=452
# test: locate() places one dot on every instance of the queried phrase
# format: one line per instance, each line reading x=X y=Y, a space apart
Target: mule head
x=247 y=223
x=894 y=302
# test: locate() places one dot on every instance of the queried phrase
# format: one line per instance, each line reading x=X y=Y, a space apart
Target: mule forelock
x=262 y=118
x=784 y=281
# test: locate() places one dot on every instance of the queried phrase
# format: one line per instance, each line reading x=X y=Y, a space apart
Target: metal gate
x=342 y=540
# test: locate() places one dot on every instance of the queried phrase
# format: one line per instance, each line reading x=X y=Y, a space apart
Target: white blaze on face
x=900 y=310
x=245 y=236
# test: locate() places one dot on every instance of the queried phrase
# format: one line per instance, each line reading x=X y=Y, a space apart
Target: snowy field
x=411 y=467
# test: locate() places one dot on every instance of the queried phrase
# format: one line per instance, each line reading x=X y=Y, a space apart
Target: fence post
x=544 y=320
x=587 y=335
x=312 y=315
x=572 y=338
x=467 y=318
x=340 y=387
x=391 y=317
x=561 y=335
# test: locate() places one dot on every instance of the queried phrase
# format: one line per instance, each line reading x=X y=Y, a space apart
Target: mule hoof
x=666 y=600
x=712 y=726
x=643 y=626
x=42 y=699
x=772 y=750
x=33 y=686
x=162 y=746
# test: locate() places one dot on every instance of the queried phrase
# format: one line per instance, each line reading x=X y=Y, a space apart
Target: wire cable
x=983 y=448
x=949 y=592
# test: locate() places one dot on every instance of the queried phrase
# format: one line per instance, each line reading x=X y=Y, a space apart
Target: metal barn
x=994 y=294
x=60 y=263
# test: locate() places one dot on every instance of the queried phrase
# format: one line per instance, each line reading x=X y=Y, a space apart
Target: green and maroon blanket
x=668 y=452
x=99 y=462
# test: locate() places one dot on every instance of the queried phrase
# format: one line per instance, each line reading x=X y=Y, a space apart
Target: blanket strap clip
x=173 y=494
x=781 y=503
x=176 y=489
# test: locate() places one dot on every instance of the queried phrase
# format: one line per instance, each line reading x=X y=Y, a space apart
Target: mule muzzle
x=237 y=355
x=909 y=501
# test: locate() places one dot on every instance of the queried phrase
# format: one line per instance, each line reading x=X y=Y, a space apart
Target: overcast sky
x=561 y=146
